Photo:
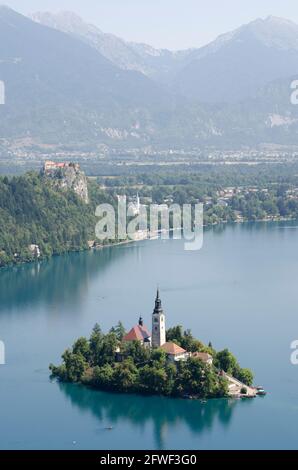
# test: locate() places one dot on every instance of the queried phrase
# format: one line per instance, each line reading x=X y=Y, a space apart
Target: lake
x=240 y=291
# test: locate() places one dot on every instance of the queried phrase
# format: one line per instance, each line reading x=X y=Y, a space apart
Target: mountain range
x=229 y=69
x=67 y=82
x=158 y=64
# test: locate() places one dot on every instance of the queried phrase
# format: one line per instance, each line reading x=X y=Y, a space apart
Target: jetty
x=236 y=387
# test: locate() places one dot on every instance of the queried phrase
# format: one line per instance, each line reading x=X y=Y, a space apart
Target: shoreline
x=215 y=224
x=186 y=397
x=128 y=241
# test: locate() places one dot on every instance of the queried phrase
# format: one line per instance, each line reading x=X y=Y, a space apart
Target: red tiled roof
x=137 y=333
x=55 y=164
x=205 y=357
x=173 y=349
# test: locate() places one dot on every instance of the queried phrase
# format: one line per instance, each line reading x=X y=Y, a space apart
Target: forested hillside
x=33 y=212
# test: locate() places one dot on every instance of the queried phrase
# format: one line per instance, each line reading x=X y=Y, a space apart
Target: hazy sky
x=173 y=24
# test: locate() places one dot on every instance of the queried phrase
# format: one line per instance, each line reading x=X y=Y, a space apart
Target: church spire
x=158 y=307
x=158 y=323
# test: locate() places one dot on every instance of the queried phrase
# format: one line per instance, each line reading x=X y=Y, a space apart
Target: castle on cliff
x=65 y=176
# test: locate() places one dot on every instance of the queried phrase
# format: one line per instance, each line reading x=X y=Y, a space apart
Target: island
x=165 y=362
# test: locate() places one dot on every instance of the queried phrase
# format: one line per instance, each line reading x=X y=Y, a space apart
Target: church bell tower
x=158 y=324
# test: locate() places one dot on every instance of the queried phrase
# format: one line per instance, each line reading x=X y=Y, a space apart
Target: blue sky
x=173 y=24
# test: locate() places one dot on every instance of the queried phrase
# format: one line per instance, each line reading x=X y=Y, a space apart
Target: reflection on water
x=239 y=291
x=164 y=413
x=61 y=281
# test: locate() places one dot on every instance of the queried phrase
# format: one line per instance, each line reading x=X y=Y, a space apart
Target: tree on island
x=225 y=360
x=119 y=331
x=185 y=339
x=105 y=362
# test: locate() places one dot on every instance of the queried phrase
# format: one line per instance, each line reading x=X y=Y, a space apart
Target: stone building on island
x=157 y=338
x=139 y=333
x=174 y=352
x=204 y=357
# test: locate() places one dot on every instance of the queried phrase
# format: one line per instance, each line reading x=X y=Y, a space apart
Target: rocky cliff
x=67 y=176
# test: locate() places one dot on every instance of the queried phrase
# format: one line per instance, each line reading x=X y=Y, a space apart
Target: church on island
x=132 y=362
x=157 y=337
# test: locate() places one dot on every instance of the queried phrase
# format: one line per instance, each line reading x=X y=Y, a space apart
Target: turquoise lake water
x=240 y=291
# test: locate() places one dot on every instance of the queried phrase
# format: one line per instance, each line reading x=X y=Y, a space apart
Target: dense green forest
x=33 y=211
x=93 y=362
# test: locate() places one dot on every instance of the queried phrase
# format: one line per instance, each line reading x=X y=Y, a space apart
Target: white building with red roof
x=139 y=333
x=204 y=357
x=174 y=352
